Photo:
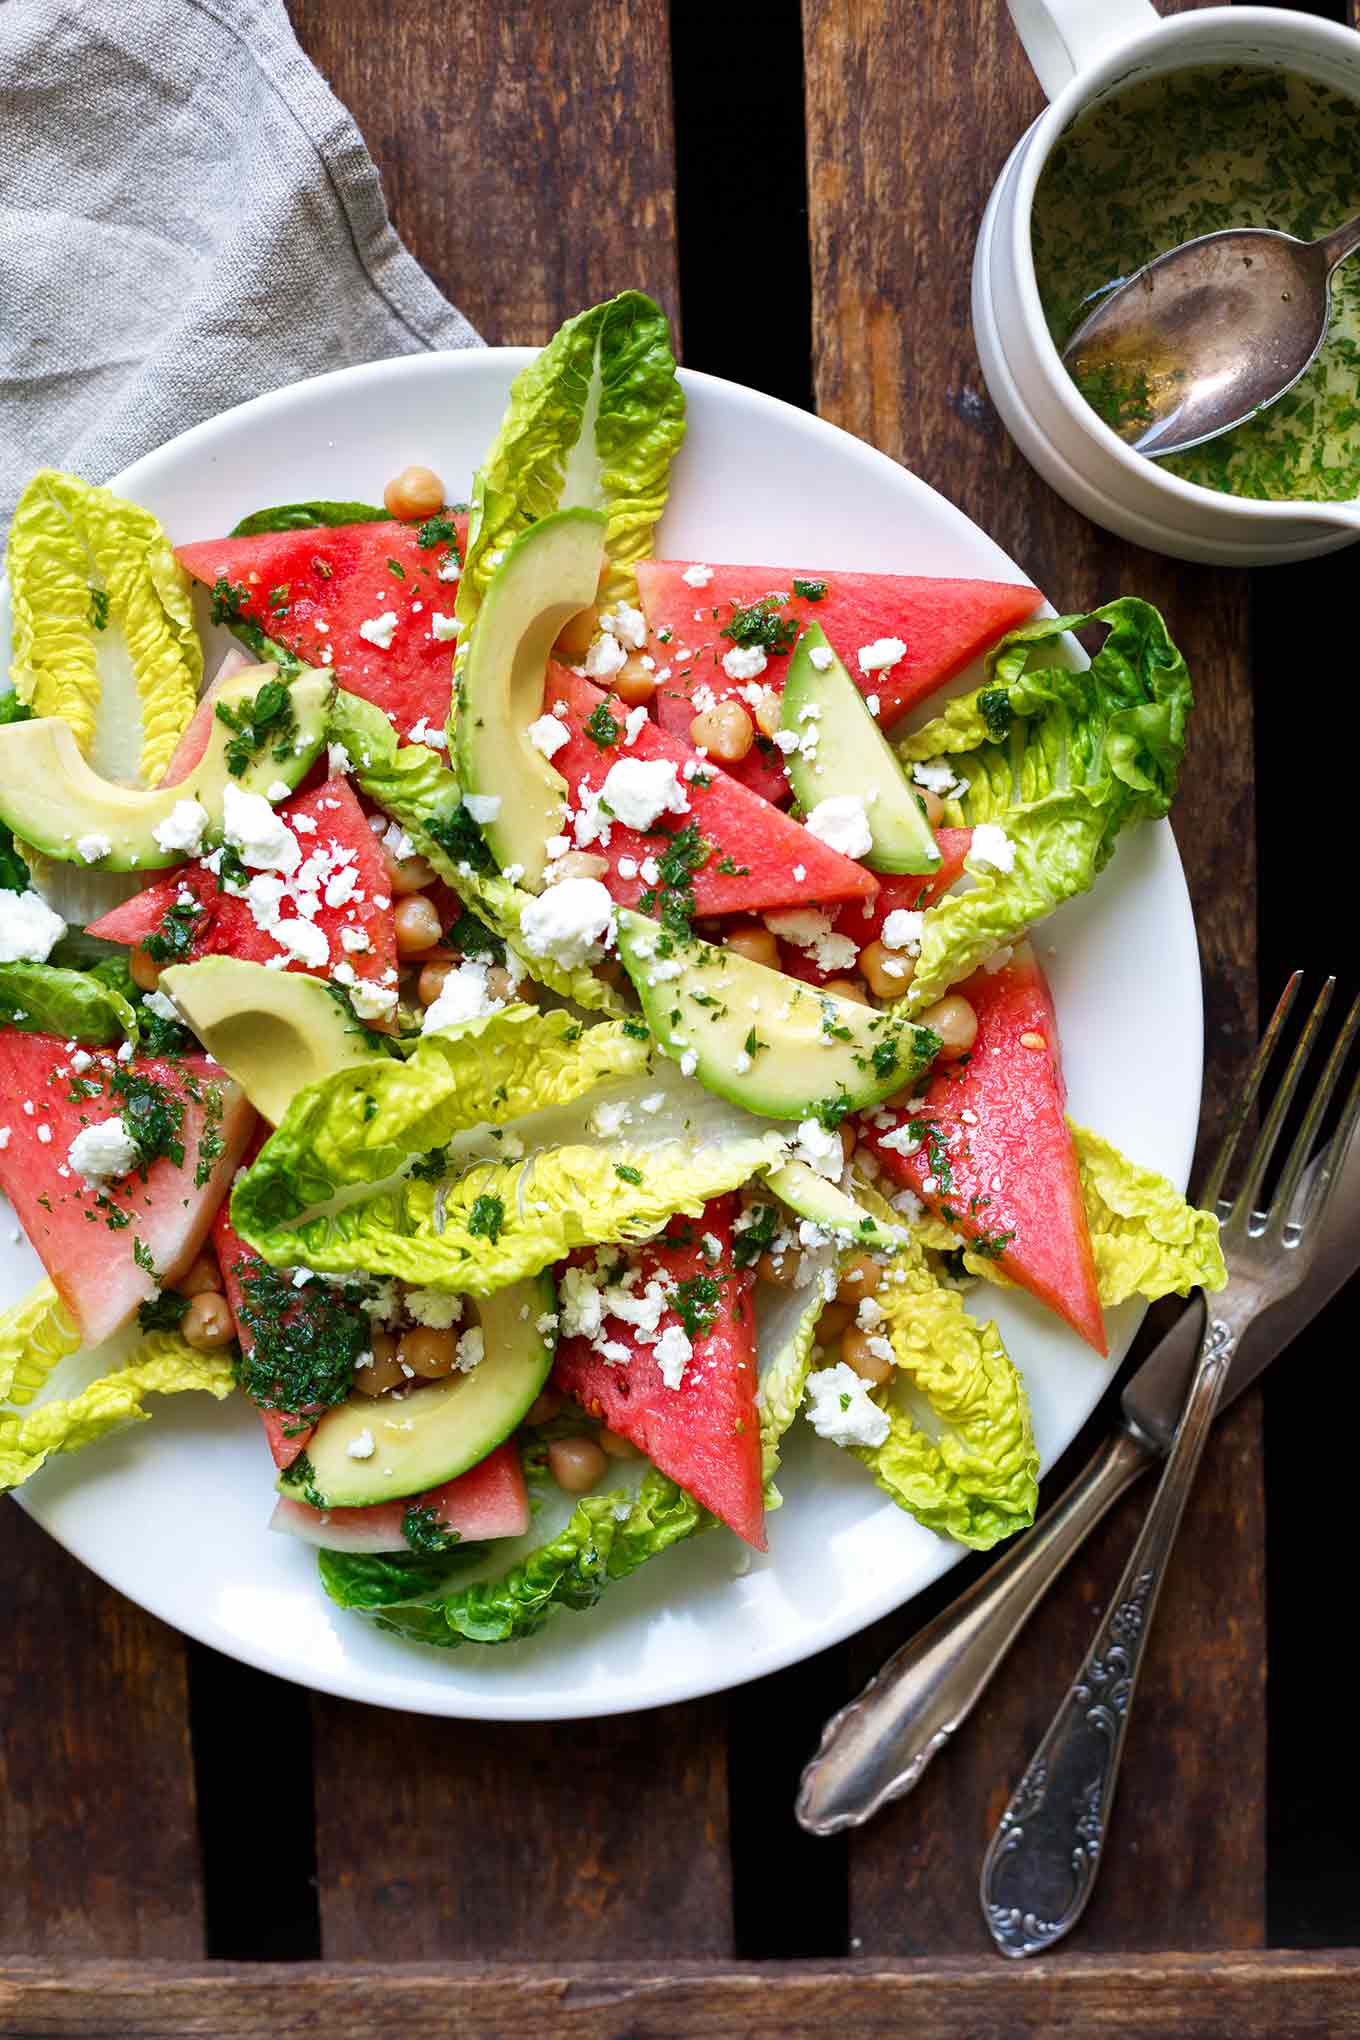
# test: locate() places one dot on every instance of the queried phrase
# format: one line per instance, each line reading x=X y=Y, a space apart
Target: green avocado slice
x=767 y=1042
x=851 y=756
x=274 y=1031
x=50 y=797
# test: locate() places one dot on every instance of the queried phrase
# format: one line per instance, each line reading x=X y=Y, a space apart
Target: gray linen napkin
x=188 y=216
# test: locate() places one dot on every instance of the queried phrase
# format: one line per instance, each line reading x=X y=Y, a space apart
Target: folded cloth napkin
x=188 y=216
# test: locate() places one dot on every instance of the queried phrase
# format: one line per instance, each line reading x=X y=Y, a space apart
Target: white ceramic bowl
x=1082 y=51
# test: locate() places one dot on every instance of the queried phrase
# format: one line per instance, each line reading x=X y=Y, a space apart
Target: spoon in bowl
x=1205 y=336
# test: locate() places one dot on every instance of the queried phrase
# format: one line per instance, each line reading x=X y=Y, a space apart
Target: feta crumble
x=442 y=627
x=819 y=1148
x=483 y=807
x=182 y=828
x=841 y=823
x=438 y=1308
x=821 y=657
x=264 y=841
x=882 y=653
x=570 y=923
x=673 y=1354
x=640 y=790
x=361 y=1446
x=28 y=928
x=93 y=847
x=992 y=848
x=605 y=657
x=103 y=1152
x=902 y=929
x=548 y=735
x=745 y=662
x=697 y=576
x=840 y=1408
x=380 y=630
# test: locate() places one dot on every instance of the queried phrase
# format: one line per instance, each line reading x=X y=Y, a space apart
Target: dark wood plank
x=526 y=152
x=1171 y=1997
x=901 y=161
x=98 y=1841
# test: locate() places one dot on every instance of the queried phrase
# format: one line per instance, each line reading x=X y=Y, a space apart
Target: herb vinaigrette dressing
x=1187 y=154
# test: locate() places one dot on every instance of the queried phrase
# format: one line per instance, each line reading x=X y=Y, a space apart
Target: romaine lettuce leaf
x=163 y=1365
x=786 y=1333
x=35 y=1334
x=595 y=419
x=40 y=999
x=14 y=873
x=414 y=785
x=81 y=560
x=305 y=516
x=1062 y=760
x=520 y=1180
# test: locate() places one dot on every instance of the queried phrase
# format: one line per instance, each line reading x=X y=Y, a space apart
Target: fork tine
x=1246 y=1097
x=1307 y=1133
x=1263 y=1148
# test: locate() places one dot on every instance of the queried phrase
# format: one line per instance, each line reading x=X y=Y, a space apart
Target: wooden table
x=180 y=1833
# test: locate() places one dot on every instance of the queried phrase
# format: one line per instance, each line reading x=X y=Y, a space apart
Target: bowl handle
x=1063 y=37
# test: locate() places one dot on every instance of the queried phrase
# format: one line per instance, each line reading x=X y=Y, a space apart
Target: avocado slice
x=439 y=1430
x=51 y=798
x=826 y=1204
x=852 y=756
x=548 y=575
x=765 y=1041
x=274 y=1031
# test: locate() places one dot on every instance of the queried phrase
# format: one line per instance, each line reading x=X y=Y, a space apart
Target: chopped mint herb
x=844 y=1400
x=637 y=1030
x=695 y=1303
x=472 y=938
x=439 y=530
x=426 y=1531
x=601 y=728
x=211 y=1146
x=267 y=720
x=486 y=1218
x=278 y=599
x=99 y=608
x=729 y=868
x=994 y=703
x=753 y=1234
x=300 y=1474
x=810 y=591
x=753 y=1044
x=884 y=1058
x=174 y=939
x=141 y=1254
x=153 y=1117
x=230 y=601
x=459 y=837
x=831 y=1111
x=163 y=1312
x=431 y=1167
x=230 y=869
x=305 y=1342
x=761 y=624
x=991 y=1246
x=627 y=1173
x=396 y=567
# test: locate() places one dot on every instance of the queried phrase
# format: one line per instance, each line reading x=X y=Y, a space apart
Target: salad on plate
x=546 y=1018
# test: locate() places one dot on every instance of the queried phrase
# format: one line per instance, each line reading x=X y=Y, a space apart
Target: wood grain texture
x=98 y=1842
x=901 y=161
x=526 y=151
x=1171 y=1997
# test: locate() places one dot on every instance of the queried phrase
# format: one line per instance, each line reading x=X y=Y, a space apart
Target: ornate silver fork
x=1042 y=1864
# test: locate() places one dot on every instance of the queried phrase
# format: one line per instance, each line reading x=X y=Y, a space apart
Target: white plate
x=174 y=1513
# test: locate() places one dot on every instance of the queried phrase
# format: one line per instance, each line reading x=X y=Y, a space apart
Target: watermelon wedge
x=489 y=1500
x=194 y=738
x=706 y=1433
x=312 y=590
x=943 y=624
x=861 y=921
x=335 y=839
x=771 y=861
x=286 y=1430
x=86 y=1237
x=995 y=1155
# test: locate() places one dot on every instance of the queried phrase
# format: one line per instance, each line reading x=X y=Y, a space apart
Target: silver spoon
x=1207 y=335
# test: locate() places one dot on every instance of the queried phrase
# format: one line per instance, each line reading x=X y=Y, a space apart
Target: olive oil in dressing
x=1187 y=154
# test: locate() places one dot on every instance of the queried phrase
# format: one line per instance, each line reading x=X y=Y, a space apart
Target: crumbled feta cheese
x=103 y=1152
x=570 y=923
x=438 y=1308
x=902 y=1140
x=581 y=1302
x=380 y=630
x=278 y=790
x=633 y=724
x=786 y=741
x=842 y=823
x=361 y=1446
x=94 y=846
x=992 y=848
x=442 y=627
x=745 y=662
x=939 y=779
x=483 y=807
x=821 y=656
x=155 y=1002
x=45 y=1135
x=799 y=873
x=605 y=657
x=697 y=576
x=627 y=624
x=882 y=653
x=303 y=940
x=872 y=703
x=264 y=841
x=649 y=871
x=628 y=867
x=609 y=1117
x=338 y=759
x=548 y=735
x=370 y=1001
x=810 y=928
x=28 y=928
x=462 y=996
x=449 y=569
x=689 y=1063
x=4 y=1136
x=902 y=929
x=673 y=1352
x=183 y=828
x=640 y=790
x=82 y=1058
x=354 y=940
x=821 y=1149
x=471 y=1349
x=841 y=1409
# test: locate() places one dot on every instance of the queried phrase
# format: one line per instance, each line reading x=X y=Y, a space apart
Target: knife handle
x=878 y=1746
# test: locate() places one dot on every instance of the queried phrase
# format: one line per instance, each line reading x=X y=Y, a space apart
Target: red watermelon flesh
x=489 y=1500
x=705 y=1434
x=778 y=862
x=335 y=578
x=339 y=841
x=943 y=623
x=286 y=1430
x=862 y=920
x=194 y=740
x=83 y=1236
x=998 y=1160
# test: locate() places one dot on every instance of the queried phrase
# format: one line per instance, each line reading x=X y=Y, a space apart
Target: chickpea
x=145 y=974
x=847 y=988
x=202 y=1277
x=888 y=971
x=725 y=731
x=417 y=925
x=781 y=1269
x=868 y=1365
x=612 y=972
x=406 y=874
x=849 y=1139
x=932 y=804
x=207 y=1322
x=575 y=864
x=428 y=1352
x=769 y=713
x=574 y=638
x=576 y=1463
x=954 y=1020
x=544 y=1407
x=634 y=683
x=756 y=944
x=617 y=1447
x=860 y=1277
x=835 y=1319
x=383 y=1371
x=430 y=983
x=415 y=492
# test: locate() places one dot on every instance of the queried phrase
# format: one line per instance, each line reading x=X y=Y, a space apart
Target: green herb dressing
x=1187 y=154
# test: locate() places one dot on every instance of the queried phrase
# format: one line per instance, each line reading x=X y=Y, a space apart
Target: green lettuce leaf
x=14 y=873
x=80 y=560
x=414 y=785
x=595 y=419
x=306 y=516
x=506 y=1103
x=1147 y=1239
x=75 y=1004
x=1063 y=760
x=35 y=1334
x=607 y=1537
x=163 y=1365
x=376 y=1579
x=786 y=1334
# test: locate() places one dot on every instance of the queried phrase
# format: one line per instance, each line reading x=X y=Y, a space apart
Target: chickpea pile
x=207 y=1323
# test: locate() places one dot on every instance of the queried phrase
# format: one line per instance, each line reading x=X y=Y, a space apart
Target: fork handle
x=877 y=1747
x=1041 y=1866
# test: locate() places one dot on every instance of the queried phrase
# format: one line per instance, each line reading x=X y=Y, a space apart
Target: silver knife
x=878 y=1746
